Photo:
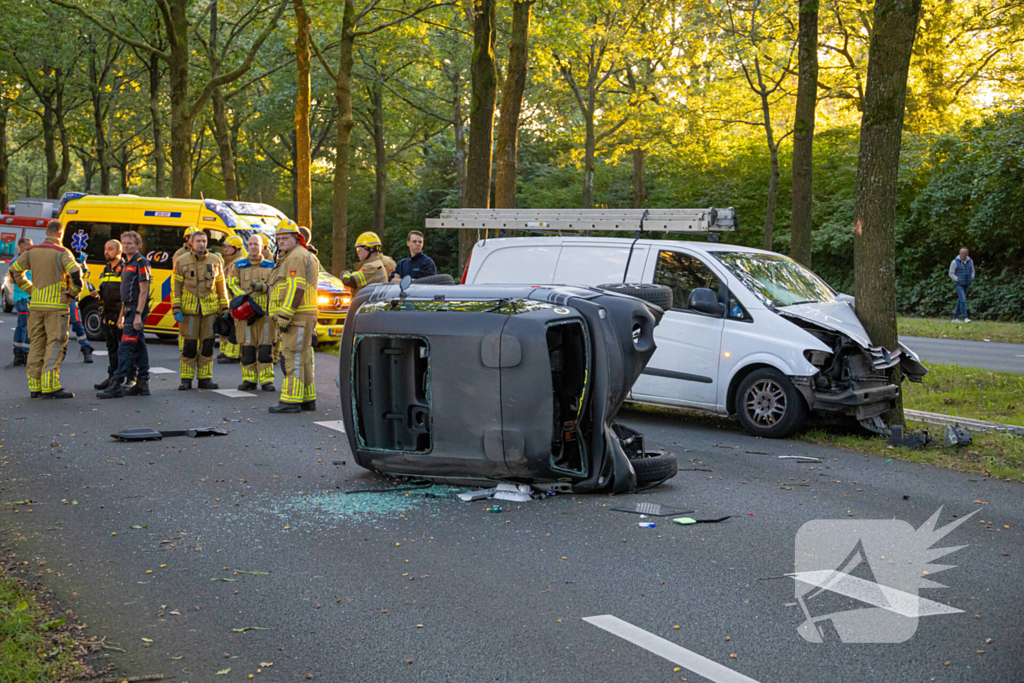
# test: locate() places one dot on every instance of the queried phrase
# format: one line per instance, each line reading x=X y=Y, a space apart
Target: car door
x=684 y=369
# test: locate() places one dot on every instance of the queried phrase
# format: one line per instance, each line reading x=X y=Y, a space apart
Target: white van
x=751 y=332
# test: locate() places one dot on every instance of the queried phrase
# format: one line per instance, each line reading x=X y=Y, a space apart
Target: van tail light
x=466 y=271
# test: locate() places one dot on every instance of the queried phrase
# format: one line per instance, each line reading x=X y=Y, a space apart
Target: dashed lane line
x=233 y=393
x=161 y=371
x=336 y=425
x=702 y=666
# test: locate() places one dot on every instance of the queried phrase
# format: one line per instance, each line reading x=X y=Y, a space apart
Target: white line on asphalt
x=233 y=393
x=337 y=425
x=161 y=371
x=702 y=666
x=1019 y=356
x=99 y=353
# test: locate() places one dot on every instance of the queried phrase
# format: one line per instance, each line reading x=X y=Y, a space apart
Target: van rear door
x=599 y=264
x=516 y=265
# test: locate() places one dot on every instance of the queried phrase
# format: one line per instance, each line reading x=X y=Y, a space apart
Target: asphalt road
x=397 y=587
x=974 y=354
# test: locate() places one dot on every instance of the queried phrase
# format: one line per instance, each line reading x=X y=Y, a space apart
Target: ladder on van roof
x=610 y=220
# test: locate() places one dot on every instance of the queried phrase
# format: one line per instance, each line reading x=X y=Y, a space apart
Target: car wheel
x=768 y=405
x=8 y=304
x=439 y=279
x=167 y=336
x=654 y=467
x=659 y=295
x=93 y=323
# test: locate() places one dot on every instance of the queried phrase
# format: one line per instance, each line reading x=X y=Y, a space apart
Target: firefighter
x=110 y=296
x=253 y=275
x=372 y=267
x=234 y=249
x=55 y=282
x=185 y=248
x=293 y=306
x=199 y=294
x=132 y=354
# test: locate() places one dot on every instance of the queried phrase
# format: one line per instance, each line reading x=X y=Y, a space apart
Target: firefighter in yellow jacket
x=55 y=281
x=254 y=275
x=293 y=306
x=234 y=249
x=372 y=264
x=185 y=249
x=198 y=294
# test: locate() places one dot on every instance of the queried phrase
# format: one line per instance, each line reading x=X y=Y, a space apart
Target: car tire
x=439 y=279
x=167 y=336
x=768 y=405
x=654 y=467
x=659 y=295
x=93 y=322
x=8 y=304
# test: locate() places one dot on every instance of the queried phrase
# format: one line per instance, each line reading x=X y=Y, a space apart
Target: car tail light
x=466 y=271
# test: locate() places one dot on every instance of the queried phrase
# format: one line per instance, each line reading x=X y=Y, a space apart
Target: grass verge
x=35 y=647
x=982 y=330
x=968 y=392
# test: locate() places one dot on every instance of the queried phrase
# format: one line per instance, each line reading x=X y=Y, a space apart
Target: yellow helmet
x=287 y=227
x=265 y=238
x=234 y=241
x=190 y=230
x=368 y=240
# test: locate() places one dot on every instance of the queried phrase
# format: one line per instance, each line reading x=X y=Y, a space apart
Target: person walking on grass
x=961 y=272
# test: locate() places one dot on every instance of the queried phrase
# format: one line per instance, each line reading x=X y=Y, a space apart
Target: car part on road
x=145 y=434
x=768 y=404
x=916 y=442
x=659 y=295
x=652 y=509
x=798 y=458
x=463 y=384
x=956 y=435
x=691 y=520
x=654 y=467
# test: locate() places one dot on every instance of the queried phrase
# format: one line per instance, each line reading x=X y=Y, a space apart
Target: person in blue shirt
x=418 y=264
x=75 y=319
x=21 y=308
x=961 y=272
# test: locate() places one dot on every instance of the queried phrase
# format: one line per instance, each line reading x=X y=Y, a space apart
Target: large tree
x=803 y=131
x=506 y=148
x=180 y=22
x=304 y=189
x=881 y=130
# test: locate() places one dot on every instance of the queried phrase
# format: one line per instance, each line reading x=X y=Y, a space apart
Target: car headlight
x=333 y=302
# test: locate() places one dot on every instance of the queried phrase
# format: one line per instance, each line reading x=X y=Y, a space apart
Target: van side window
x=159 y=242
x=90 y=237
x=683 y=273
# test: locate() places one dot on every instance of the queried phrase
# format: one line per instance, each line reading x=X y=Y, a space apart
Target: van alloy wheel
x=765 y=403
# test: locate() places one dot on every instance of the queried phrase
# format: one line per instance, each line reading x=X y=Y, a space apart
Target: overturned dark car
x=485 y=383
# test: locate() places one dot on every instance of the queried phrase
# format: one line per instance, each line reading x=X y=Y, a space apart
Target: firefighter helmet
x=287 y=227
x=368 y=240
x=235 y=241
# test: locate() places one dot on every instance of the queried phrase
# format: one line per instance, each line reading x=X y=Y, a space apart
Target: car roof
x=693 y=245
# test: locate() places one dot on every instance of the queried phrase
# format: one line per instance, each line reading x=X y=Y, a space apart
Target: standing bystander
x=21 y=308
x=132 y=354
x=418 y=264
x=961 y=272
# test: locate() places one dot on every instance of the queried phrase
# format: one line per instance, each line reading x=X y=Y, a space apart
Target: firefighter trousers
x=197 y=346
x=297 y=360
x=256 y=342
x=48 y=344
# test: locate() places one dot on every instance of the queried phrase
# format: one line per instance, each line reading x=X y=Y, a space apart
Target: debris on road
x=800 y=458
x=691 y=520
x=146 y=434
x=646 y=525
x=915 y=442
x=482 y=494
x=955 y=435
x=652 y=509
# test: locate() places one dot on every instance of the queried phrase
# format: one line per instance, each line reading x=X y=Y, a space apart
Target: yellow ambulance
x=91 y=220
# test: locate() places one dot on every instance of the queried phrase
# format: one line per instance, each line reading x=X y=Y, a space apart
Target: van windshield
x=775 y=279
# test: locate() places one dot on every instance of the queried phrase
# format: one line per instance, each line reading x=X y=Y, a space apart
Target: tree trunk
x=481 y=116
x=126 y=182
x=511 y=106
x=100 y=144
x=773 y=182
x=380 y=158
x=874 y=239
x=343 y=96
x=304 y=214
x=222 y=135
x=803 y=132
x=181 y=115
x=4 y=195
x=159 y=160
x=460 y=142
x=589 y=155
x=294 y=175
x=639 y=179
x=88 y=170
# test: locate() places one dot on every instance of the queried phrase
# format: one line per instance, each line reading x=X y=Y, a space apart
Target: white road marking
x=1019 y=356
x=233 y=393
x=702 y=666
x=99 y=353
x=161 y=371
x=337 y=425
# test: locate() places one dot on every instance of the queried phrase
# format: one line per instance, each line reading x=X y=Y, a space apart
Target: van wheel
x=768 y=405
x=439 y=279
x=8 y=304
x=659 y=295
x=654 y=467
x=93 y=323
x=167 y=336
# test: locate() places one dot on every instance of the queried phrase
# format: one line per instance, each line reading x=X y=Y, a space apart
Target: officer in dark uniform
x=132 y=354
x=110 y=298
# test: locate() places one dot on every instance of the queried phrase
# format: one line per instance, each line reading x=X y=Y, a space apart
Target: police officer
x=372 y=267
x=55 y=282
x=132 y=354
x=234 y=249
x=293 y=306
x=254 y=275
x=110 y=298
x=199 y=294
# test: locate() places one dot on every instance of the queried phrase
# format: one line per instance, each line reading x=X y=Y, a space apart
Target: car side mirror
x=703 y=300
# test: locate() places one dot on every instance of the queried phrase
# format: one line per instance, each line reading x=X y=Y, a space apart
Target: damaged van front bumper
x=494 y=382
